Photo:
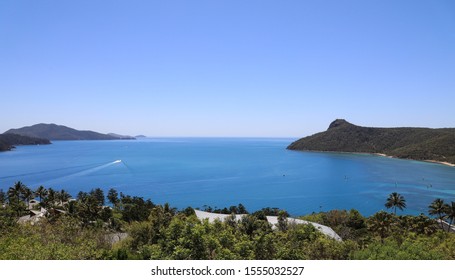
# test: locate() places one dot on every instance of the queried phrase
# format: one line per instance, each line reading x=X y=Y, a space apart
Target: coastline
x=427 y=160
x=380 y=155
x=441 y=162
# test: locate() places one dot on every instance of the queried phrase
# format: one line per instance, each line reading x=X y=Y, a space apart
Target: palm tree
x=395 y=200
x=283 y=224
x=28 y=195
x=41 y=192
x=14 y=196
x=51 y=198
x=423 y=225
x=381 y=222
x=438 y=208
x=2 y=196
x=112 y=196
x=63 y=196
x=450 y=212
x=99 y=195
x=15 y=192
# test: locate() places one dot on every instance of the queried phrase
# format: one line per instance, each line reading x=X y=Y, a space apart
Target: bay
x=219 y=172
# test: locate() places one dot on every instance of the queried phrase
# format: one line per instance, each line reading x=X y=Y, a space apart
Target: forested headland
x=61 y=132
x=52 y=225
x=9 y=140
x=400 y=142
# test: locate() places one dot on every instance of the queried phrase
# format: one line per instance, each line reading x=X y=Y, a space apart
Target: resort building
x=273 y=220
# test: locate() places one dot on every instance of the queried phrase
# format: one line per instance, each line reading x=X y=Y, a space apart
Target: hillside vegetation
x=60 y=132
x=8 y=141
x=134 y=228
x=402 y=142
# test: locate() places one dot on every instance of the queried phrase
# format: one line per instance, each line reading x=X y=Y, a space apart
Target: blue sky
x=226 y=68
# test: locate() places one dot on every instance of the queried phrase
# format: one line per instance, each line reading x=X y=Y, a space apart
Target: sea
x=220 y=172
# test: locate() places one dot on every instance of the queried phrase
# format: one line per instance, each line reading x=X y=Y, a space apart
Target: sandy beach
x=432 y=161
x=441 y=162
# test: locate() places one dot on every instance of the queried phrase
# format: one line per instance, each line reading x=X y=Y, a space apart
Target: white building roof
x=271 y=219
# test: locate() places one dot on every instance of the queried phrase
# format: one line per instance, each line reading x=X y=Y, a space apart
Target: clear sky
x=226 y=68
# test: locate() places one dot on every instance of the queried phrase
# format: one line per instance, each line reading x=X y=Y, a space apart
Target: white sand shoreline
x=381 y=155
x=427 y=160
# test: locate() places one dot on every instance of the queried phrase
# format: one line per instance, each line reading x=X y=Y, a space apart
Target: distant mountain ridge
x=8 y=141
x=402 y=142
x=60 y=132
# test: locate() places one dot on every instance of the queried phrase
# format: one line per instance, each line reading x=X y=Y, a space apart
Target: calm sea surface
x=221 y=172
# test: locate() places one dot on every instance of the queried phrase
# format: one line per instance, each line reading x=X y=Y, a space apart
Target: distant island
x=60 y=132
x=8 y=141
x=401 y=142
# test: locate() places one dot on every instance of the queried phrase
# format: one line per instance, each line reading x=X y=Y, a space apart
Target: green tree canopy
x=41 y=192
x=112 y=196
x=395 y=200
x=438 y=208
x=450 y=213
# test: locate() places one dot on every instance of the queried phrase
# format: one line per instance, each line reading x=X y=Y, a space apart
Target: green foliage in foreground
x=64 y=239
x=185 y=237
x=412 y=247
x=86 y=228
x=168 y=235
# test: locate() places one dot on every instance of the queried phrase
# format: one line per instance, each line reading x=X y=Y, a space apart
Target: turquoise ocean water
x=220 y=172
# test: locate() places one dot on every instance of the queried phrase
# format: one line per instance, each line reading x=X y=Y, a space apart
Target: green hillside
x=402 y=142
x=60 y=132
x=8 y=141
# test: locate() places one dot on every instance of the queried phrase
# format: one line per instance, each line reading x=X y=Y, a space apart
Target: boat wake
x=83 y=172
